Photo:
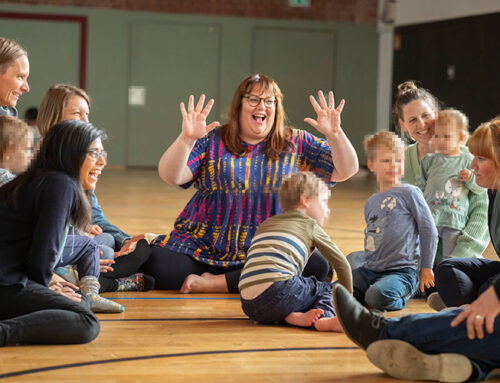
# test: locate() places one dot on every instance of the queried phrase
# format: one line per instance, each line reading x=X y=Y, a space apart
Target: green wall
x=353 y=77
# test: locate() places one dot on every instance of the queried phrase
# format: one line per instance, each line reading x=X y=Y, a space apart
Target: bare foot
x=204 y=284
x=328 y=324
x=207 y=275
x=304 y=319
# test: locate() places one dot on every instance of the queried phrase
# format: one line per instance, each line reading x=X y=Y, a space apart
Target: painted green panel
x=301 y=61
x=53 y=49
x=171 y=61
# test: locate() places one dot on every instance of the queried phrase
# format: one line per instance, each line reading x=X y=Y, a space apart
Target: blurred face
x=317 y=207
x=447 y=139
x=418 y=120
x=14 y=81
x=388 y=167
x=20 y=157
x=256 y=115
x=76 y=108
x=486 y=172
x=92 y=165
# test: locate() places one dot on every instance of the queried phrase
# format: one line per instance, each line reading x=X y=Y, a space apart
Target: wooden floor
x=164 y=336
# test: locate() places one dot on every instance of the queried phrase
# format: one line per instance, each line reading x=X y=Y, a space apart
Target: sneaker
x=435 y=302
x=404 y=361
x=361 y=325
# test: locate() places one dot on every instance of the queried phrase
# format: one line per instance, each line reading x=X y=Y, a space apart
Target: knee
x=90 y=329
x=380 y=299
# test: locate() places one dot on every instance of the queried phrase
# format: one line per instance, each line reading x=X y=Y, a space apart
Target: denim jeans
x=388 y=290
x=37 y=315
x=462 y=280
x=106 y=244
x=297 y=294
x=83 y=252
x=432 y=334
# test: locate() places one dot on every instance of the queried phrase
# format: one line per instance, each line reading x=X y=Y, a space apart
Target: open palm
x=194 y=120
x=328 y=117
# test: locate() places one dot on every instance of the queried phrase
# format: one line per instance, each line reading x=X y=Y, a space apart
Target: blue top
x=8 y=111
x=31 y=235
x=397 y=222
x=236 y=194
x=98 y=218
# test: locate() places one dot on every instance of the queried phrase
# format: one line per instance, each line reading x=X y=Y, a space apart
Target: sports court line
x=160 y=356
x=171 y=319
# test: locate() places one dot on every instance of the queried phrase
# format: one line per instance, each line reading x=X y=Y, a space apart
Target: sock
x=136 y=282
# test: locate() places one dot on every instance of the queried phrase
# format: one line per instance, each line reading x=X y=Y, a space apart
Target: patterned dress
x=236 y=194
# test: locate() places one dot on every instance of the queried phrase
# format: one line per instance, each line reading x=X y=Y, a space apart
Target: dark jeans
x=388 y=290
x=37 y=315
x=462 y=280
x=170 y=269
x=125 y=266
x=432 y=334
x=297 y=294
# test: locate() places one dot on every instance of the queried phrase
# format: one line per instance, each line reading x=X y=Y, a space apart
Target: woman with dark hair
x=237 y=170
x=67 y=102
x=14 y=72
x=36 y=210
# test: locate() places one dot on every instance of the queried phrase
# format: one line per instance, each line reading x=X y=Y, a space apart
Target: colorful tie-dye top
x=236 y=194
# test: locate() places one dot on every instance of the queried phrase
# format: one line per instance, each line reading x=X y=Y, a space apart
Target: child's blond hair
x=300 y=184
x=459 y=120
x=387 y=140
x=12 y=133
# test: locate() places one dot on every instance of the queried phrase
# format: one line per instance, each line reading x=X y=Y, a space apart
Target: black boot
x=360 y=325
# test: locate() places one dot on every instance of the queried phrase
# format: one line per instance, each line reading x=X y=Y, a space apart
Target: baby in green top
x=446 y=179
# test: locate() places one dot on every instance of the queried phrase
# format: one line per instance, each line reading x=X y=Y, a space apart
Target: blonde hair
x=278 y=141
x=485 y=142
x=53 y=103
x=387 y=140
x=10 y=51
x=305 y=184
x=12 y=133
x=455 y=118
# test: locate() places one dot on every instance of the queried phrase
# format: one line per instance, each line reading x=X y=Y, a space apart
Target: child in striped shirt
x=271 y=285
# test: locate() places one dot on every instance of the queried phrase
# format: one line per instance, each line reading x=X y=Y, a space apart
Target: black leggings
x=37 y=315
x=170 y=269
x=125 y=266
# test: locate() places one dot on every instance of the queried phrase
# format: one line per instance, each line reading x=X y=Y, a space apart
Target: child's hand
x=426 y=278
x=464 y=175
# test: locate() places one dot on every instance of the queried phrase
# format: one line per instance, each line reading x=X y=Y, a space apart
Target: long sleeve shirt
x=31 y=234
x=282 y=246
x=399 y=230
x=99 y=219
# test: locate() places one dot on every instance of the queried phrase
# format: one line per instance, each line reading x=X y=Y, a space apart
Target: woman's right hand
x=65 y=288
x=194 y=120
x=104 y=265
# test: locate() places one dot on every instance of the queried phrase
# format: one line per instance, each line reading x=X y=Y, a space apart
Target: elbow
x=345 y=174
x=167 y=178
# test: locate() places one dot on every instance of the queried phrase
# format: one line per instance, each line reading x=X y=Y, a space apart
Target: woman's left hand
x=480 y=314
x=129 y=245
x=328 y=117
x=93 y=230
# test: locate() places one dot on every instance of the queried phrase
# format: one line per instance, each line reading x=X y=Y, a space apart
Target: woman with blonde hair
x=237 y=169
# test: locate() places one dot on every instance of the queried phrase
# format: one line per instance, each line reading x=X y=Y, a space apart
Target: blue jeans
x=83 y=252
x=432 y=334
x=106 y=244
x=462 y=280
x=297 y=294
x=388 y=290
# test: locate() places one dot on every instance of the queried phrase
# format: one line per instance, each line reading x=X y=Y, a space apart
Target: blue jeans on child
x=432 y=334
x=297 y=294
x=387 y=290
x=106 y=244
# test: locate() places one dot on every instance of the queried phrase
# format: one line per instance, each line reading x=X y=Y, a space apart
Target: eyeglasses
x=269 y=102
x=94 y=154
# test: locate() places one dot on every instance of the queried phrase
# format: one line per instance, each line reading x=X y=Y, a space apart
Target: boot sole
x=404 y=361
